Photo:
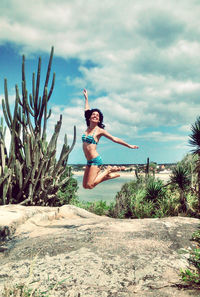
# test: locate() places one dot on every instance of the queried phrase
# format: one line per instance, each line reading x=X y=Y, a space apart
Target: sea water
x=105 y=191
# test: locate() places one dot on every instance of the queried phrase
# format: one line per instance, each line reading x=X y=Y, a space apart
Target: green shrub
x=97 y=207
x=154 y=190
x=123 y=205
x=181 y=177
x=140 y=208
x=67 y=192
x=144 y=198
x=196 y=236
x=192 y=201
x=192 y=275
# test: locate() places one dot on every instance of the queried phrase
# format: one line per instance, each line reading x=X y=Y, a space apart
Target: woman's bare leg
x=93 y=177
x=89 y=176
x=111 y=176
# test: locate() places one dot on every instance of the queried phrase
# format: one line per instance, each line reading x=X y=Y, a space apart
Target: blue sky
x=140 y=62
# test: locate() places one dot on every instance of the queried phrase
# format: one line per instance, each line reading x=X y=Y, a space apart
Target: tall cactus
x=147 y=168
x=30 y=173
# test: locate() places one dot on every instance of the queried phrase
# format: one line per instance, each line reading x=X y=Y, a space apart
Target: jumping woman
x=95 y=130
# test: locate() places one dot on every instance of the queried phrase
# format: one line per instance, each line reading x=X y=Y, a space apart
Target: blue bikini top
x=89 y=138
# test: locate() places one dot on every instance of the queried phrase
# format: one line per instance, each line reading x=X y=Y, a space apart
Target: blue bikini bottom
x=95 y=162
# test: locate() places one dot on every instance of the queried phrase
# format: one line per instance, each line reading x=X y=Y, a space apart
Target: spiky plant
x=181 y=178
x=194 y=141
x=190 y=162
x=154 y=190
x=29 y=171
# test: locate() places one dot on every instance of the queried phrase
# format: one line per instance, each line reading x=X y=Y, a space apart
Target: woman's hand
x=85 y=94
x=134 y=146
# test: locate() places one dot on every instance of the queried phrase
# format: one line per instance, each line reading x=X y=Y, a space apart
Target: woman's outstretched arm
x=86 y=99
x=118 y=140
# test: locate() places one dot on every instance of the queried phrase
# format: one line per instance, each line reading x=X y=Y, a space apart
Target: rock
x=12 y=216
x=71 y=252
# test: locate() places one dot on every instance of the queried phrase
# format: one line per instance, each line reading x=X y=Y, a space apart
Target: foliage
x=123 y=205
x=154 y=190
x=189 y=161
x=180 y=176
x=144 y=197
x=139 y=207
x=29 y=172
x=196 y=236
x=194 y=137
x=97 y=207
x=67 y=192
x=192 y=275
x=192 y=203
x=150 y=197
x=194 y=141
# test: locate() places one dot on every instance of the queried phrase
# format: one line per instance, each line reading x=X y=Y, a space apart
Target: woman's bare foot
x=110 y=169
x=122 y=168
x=113 y=175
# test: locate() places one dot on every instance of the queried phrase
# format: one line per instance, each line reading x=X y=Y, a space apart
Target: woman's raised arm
x=118 y=140
x=86 y=99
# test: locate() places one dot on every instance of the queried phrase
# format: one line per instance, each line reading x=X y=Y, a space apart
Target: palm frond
x=194 y=137
x=180 y=176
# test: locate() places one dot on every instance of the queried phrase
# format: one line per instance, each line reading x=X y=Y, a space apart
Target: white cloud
x=182 y=146
x=163 y=137
x=146 y=57
x=185 y=47
x=11 y=97
x=185 y=128
x=70 y=117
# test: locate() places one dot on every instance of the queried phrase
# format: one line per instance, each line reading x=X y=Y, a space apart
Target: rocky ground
x=71 y=252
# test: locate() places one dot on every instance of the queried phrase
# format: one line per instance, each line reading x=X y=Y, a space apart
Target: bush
x=98 y=207
x=154 y=190
x=144 y=198
x=67 y=192
x=192 y=202
x=139 y=207
x=192 y=275
x=123 y=205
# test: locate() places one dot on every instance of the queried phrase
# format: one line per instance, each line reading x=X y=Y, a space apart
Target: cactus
x=147 y=168
x=136 y=173
x=30 y=173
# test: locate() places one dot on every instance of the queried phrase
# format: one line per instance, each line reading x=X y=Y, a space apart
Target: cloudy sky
x=140 y=62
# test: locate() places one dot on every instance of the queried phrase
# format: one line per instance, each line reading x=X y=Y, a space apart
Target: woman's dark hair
x=88 y=114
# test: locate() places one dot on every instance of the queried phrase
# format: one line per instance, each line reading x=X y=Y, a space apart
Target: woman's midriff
x=90 y=151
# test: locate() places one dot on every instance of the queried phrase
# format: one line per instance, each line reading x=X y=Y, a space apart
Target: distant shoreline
x=162 y=175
